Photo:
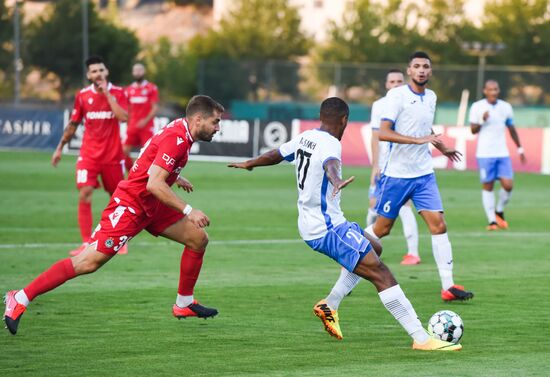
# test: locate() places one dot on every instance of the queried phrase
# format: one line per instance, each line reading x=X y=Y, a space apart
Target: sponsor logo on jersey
x=115 y=216
x=138 y=99
x=109 y=242
x=100 y=115
x=169 y=160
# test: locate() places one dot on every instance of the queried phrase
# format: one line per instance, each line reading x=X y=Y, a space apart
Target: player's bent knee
x=439 y=228
x=85 y=194
x=198 y=242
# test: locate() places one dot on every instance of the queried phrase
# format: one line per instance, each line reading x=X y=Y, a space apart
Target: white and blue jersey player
x=380 y=154
x=407 y=123
x=324 y=228
x=489 y=118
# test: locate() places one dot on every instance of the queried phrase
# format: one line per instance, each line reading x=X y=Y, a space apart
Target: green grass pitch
x=264 y=280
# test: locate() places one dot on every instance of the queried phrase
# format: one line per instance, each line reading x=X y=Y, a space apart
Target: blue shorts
x=493 y=168
x=394 y=192
x=345 y=243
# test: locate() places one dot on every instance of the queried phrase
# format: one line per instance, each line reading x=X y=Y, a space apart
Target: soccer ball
x=446 y=325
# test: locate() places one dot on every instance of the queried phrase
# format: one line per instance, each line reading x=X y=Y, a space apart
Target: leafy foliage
x=54 y=44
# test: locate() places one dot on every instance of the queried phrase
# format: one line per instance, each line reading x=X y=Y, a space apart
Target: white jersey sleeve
x=392 y=106
x=288 y=149
x=475 y=116
x=375 y=115
x=333 y=151
x=376 y=119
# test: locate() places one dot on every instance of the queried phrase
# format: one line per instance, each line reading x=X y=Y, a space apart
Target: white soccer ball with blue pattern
x=446 y=325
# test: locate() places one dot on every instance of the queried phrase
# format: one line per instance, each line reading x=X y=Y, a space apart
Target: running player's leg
x=63 y=270
x=393 y=193
x=506 y=177
x=172 y=225
x=86 y=181
x=427 y=200
x=410 y=231
x=371 y=213
x=487 y=176
x=393 y=298
x=131 y=142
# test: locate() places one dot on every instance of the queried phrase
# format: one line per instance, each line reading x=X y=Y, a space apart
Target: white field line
x=453 y=235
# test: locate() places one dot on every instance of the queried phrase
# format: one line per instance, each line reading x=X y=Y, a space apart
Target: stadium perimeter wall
x=244 y=138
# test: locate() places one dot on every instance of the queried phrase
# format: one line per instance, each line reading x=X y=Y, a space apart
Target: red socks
x=85 y=220
x=190 y=267
x=56 y=275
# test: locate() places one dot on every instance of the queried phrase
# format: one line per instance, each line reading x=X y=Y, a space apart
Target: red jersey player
x=101 y=105
x=143 y=97
x=144 y=201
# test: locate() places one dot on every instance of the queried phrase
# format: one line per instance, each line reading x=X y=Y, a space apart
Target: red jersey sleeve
x=121 y=98
x=78 y=111
x=171 y=149
x=154 y=94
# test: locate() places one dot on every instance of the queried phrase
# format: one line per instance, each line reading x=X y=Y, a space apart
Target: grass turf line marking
x=271 y=241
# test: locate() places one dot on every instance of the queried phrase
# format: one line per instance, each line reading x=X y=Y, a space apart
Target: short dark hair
x=394 y=70
x=333 y=109
x=94 y=59
x=419 y=54
x=202 y=104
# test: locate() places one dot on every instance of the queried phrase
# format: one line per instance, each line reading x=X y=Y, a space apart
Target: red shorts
x=137 y=137
x=122 y=219
x=87 y=172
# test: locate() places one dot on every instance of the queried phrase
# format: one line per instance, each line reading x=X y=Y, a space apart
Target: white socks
x=183 y=301
x=345 y=283
x=503 y=198
x=488 y=200
x=343 y=286
x=401 y=308
x=370 y=231
x=410 y=229
x=443 y=255
x=21 y=297
x=371 y=216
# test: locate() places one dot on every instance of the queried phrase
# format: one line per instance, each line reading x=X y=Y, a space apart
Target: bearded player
x=144 y=201
x=101 y=106
x=143 y=97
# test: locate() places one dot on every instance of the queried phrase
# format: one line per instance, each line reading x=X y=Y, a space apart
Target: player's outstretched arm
x=157 y=186
x=387 y=134
x=332 y=168
x=273 y=157
x=68 y=134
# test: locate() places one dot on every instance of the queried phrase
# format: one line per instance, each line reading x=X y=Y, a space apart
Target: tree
x=235 y=55
x=6 y=35
x=6 y=48
x=523 y=26
x=54 y=44
x=173 y=69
